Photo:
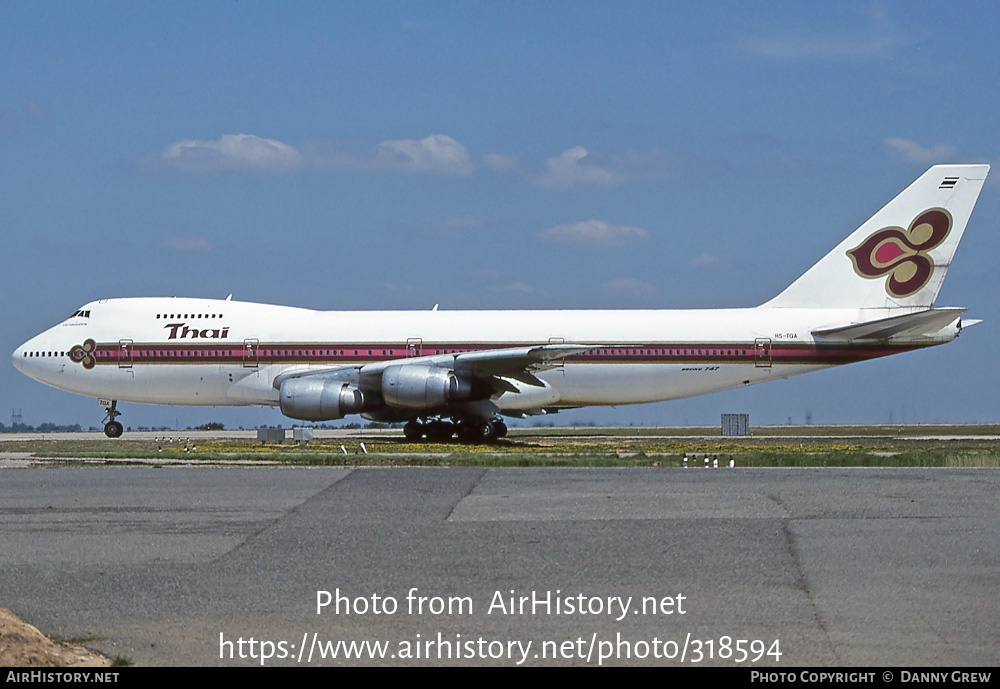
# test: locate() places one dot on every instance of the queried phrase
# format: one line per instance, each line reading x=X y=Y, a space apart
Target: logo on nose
x=84 y=354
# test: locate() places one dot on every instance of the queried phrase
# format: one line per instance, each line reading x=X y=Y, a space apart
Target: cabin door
x=125 y=355
x=251 y=352
x=762 y=352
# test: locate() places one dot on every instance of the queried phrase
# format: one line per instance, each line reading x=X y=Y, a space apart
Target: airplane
x=446 y=373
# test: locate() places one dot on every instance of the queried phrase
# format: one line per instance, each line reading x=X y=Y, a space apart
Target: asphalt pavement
x=428 y=566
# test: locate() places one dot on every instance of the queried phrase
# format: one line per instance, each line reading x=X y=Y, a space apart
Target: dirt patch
x=22 y=645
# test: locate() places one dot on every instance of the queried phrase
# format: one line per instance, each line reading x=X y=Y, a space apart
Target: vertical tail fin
x=898 y=259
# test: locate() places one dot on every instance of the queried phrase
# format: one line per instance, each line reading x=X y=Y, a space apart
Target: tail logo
x=902 y=255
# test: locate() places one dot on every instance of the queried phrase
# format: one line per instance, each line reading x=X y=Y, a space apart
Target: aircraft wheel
x=113 y=429
x=486 y=432
x=413 y=430
x=500 y=427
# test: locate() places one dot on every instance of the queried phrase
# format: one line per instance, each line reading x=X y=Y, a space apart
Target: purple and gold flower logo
x=84 y=354
x=902 y=254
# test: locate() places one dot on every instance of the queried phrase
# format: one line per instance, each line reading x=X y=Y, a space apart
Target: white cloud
x=438 y=154
x=593 y=232
x=579 y=167
x=501 y=163
x=704 y=259
x=630 y=288
x=188 y=244
x=912 y=152
x=874 y=35
x=656 y=163
x=232 y=152
x=570 y=169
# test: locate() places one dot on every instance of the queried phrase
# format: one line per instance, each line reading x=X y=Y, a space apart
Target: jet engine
x=423 y=387
x=320 y=399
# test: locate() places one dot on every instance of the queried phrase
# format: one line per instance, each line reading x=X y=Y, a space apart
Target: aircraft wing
x=515 y=363
x=493 y=365
x=911 y=326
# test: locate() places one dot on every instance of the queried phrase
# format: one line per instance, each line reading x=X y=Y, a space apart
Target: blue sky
x=385 y=155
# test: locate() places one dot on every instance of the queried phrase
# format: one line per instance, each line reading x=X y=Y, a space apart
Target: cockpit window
x=81 y=314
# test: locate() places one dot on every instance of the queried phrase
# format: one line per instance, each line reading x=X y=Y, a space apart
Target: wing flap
x=912 y=326
x=515 y=362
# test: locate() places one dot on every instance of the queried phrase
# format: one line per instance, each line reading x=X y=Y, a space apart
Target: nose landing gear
x=112 y=428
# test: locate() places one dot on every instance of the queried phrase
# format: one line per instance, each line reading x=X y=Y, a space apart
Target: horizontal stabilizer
x=912 y=326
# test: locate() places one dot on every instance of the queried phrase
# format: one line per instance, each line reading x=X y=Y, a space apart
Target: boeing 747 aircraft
x=448 y=372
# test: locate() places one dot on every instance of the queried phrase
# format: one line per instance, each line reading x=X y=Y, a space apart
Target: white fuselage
x=209 y=352
x=872 y=295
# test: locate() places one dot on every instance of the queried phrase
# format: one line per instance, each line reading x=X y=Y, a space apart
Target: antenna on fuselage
x=229 y=298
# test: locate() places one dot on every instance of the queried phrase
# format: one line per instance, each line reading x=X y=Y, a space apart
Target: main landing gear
x=467 y=430
x=112 y=428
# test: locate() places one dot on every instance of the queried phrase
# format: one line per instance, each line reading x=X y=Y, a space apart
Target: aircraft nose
x=17 y=357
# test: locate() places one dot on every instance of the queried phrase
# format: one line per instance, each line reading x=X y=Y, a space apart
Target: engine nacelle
x=313 y=398
x=422 y=387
